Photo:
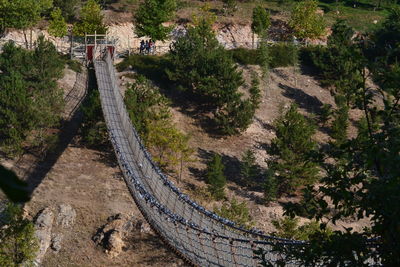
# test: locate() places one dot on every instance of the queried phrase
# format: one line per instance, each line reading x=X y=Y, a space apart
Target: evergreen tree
x=22 y=14
x=68 y=8
x=270 y=187
x=305 y=21
x=18 y=244
x=16 y=113
x=58 y=26
x=150 y=17
x=203 y=68
x=292 y=149
x=31 y=100
x=338 y=62
x=261 y=21
x=91 y=20
x=340 y=122
x=215 y=177
x=248 y=167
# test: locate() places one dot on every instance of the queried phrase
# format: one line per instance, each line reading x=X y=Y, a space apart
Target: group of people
x=147 y=47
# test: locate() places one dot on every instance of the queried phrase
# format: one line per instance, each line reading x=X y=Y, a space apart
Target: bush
x=244 y=56
x=283 y=55
x=237 y=212
x=288 y=227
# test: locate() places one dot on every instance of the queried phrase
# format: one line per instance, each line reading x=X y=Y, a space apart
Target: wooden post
x=86 y=56
x=95 y=45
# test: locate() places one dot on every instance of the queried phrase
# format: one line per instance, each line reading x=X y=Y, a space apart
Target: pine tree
x=215 y=177
x=248 y=167
x=150 y=17
x=18 y=244
x=292 y=149
x=340 y=121
x=261 y=21
x=205 y=70
x=338 y=62
x=91 y=20
x=58 y=26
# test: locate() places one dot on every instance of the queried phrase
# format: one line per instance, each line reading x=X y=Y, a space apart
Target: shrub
x=237 y=212
x=288 y=227
x=283 y=55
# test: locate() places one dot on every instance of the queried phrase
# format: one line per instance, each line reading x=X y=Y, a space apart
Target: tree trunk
x=26 y=39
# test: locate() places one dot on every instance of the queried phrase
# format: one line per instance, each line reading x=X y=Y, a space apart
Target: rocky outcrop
x=49 y=226
x=113 y=235
x=66 y=216
x=43 y=228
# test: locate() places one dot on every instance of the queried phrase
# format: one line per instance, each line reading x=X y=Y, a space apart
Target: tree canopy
x=305 y=21
x=151 y=16
x=91 y=20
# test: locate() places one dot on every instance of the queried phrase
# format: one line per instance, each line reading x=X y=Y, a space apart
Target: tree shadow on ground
x=310 y=103
x=231 y=171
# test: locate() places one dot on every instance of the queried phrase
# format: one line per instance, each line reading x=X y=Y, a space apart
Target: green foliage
x=22 y=14
x=292 y=150
x=229 y=6
x=340 y=122
x=215 y=177
x=305 y=21
x=150 y=17
x=283 y=55
x=15 y=189
x=340 y=62
x=237 y=212
x=68 y=8
x=58 y=26
x=270 y=187
x=261 y=21
x=288 y=227
x=387 y=37
x=18 y=244
x=202 y=67
x=248 y=167
x=150 y=114
x=325 y=114
x=91 y=20
x=30 y=100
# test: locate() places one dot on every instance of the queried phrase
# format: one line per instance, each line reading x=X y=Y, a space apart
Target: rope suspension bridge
x=196 y=234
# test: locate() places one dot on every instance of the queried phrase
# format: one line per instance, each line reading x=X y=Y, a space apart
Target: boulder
x=66 y=216
x=43 y=227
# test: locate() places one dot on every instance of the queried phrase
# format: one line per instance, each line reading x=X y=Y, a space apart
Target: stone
x=43 y=228
x=56 y=242
x=66 y=216
x=114 y=244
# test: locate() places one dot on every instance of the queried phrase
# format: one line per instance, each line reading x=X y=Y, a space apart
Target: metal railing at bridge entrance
x=198 y=235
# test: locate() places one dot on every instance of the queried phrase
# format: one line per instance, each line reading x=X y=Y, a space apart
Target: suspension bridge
x=198 y=235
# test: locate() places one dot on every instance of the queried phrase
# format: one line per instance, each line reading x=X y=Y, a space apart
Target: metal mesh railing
x=197 y=234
